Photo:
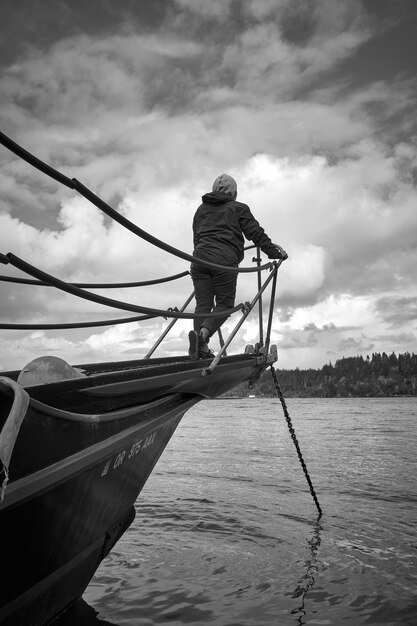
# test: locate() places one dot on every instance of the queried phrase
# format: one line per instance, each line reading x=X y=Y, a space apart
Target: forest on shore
x=379 y=375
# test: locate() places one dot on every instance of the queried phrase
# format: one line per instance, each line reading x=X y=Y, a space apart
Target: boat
x=78 y=442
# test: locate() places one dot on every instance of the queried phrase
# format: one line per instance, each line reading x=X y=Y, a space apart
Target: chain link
x=294 y=438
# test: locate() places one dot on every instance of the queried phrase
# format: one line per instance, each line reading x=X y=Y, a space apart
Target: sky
x=308 y=104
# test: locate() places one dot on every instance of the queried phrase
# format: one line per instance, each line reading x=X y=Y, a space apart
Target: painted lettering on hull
x=125 y=455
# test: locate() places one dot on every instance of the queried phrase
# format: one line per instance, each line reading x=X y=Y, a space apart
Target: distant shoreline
x=377 y=376
x=316 y=397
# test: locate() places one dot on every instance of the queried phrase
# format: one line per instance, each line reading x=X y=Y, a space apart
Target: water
x=227 y=532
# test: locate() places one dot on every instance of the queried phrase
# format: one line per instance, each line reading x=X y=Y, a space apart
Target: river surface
x=227 y=532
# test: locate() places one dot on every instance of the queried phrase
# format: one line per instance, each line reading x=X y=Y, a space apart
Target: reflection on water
x=312 y=568
x=82 y=614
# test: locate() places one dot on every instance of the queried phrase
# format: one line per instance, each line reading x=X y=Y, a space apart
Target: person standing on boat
x=219 y=227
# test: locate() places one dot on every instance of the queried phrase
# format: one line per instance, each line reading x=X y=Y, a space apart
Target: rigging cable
x=73 y=183
x=87 y=295
x=71 y=325
x=141 y=283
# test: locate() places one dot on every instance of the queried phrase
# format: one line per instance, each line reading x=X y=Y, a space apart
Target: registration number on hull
x=125 y=455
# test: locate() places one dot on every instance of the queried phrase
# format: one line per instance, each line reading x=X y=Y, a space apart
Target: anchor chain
x=294 y=438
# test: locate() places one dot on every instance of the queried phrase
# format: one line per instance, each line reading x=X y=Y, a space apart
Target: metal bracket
x=269 y=358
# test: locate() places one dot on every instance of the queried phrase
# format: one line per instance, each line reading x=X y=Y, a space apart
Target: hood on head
x=225 y=184
x=216 y=197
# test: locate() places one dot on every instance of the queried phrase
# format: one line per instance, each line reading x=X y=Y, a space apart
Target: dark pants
x=215 y=291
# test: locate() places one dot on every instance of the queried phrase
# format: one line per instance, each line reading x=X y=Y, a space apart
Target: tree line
x=376 y=375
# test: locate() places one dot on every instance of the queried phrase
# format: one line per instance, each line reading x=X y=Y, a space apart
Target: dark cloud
x=21 y=304
x=37 y=25
x=297 y=342
x=392 y=49
x=355 y=345
x=396 y=310
x=145 y=103
x=329 y=328
x=401 y=342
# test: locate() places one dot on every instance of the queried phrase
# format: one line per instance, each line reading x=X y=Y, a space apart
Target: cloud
x=355 y=345
x=303 y=278
x=264 y=65
x=402 y=341
x=395 y=310
x=19 y=349
x=148 y=117
x=217 y=9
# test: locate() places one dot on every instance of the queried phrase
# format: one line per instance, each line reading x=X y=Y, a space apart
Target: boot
x=193 y=350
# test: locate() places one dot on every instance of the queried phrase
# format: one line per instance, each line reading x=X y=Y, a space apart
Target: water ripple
x=227 y=533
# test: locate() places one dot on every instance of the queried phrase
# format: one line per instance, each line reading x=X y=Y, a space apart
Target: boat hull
x=65 y=521
x=74 y=477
